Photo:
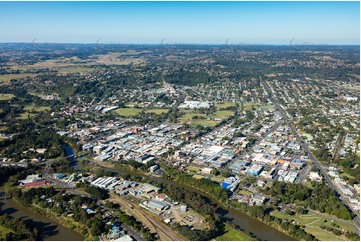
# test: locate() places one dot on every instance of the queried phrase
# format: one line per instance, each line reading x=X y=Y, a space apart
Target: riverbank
x=49 y=228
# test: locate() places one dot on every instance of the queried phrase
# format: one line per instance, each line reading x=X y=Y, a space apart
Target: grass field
x=75 y=69
x=218 y=179
x=225 y=105
x=189 y=114
x=128 y=112
x=8 y=77
x=233 y=235
x=34 y=108
x=24 y=116
x=224 y=114
x=5 y=96
x=312 y=222
x=193 y=169
x=157 y=111
x=198 y=176
x=204 y=123
x=245 y=192
x=4 y=231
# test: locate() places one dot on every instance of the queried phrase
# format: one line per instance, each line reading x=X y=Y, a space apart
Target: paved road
x=312 y=158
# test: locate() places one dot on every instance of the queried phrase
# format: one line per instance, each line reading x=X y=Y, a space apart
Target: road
x=312 y=158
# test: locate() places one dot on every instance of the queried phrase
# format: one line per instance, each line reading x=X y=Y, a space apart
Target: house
x=258 y=199
x=314 y=176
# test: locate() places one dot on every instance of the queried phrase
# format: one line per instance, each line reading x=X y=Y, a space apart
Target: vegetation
x=320 y=197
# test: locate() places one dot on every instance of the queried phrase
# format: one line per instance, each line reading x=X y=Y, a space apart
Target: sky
x=181 y=22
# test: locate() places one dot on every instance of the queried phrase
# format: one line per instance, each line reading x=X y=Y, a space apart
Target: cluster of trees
x=207 y=186
x=93 y=224
x=97 y=192
x=136 y=225
x=350 y=166
x=19 y=229
x=30 y=136
x=320 y=197
x=8 y=171
x=201 y=205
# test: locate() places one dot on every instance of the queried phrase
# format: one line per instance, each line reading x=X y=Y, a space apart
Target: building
x=258 y=199
x=157 y=205
x=314 y=176
x=147 y=188
x=206 y=171
x=255 y=170
x=36 y=183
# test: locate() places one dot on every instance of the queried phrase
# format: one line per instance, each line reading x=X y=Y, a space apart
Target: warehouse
x=157 y=205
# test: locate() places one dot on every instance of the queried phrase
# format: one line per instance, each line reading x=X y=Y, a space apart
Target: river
x=49 y=229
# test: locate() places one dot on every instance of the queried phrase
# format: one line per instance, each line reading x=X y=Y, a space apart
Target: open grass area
x=218 y=179
x=224 y=114
x=245 y=192
x=34 y=108
x=312 y=222
x=204 y=123
x=225 y=105
x=233 y=235
x=189 y=114
x=193 y=168
x=157 y=111
x=4 y=231
x=75 y=69
x=198 y=177
x=128 y=112
x=6 y=96
x=8 y=77
x=24 y=116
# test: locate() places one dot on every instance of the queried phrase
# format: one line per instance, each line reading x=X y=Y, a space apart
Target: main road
x=312 y=158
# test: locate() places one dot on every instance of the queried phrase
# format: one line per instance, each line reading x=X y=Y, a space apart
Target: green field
x=204 y=123
x=233 y=235
x=198 y=177
x=312 y=222
x=224 y=114
x=157 y=111
x=128 y=112
x=193 y=169
x=24 y=116
x=4 y=231
x=218 y=179
x=34 y=108
x=189 y=114
x=8 y=77
x=5 y=96
x=245 y=192
x=224 y=105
